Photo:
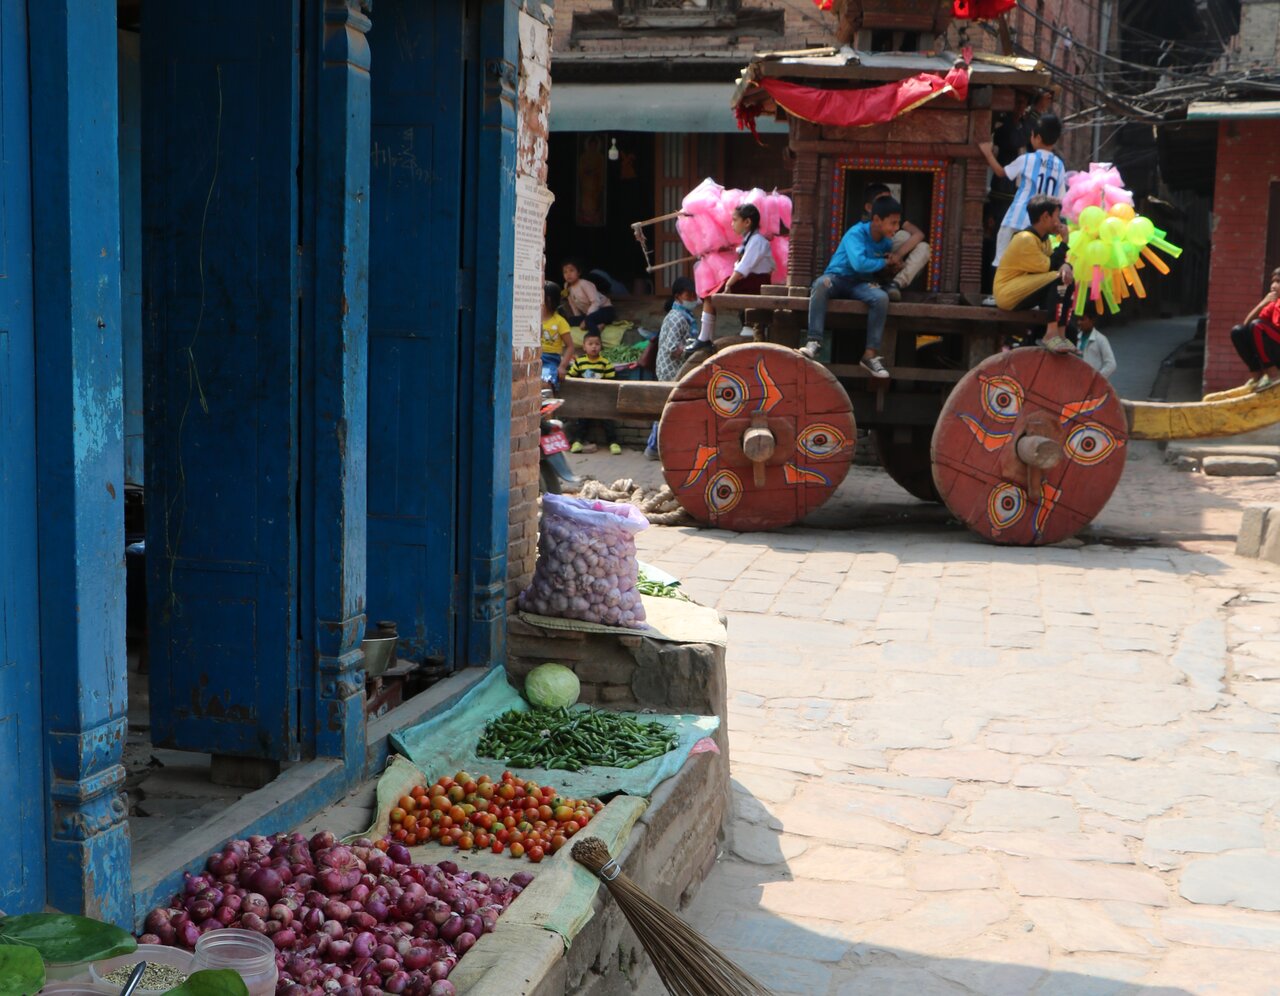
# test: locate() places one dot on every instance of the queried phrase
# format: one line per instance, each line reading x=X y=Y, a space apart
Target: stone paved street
x=960 y=768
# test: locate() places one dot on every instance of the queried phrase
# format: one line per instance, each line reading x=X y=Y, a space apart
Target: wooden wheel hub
x=757 y=437
x=1029 y=447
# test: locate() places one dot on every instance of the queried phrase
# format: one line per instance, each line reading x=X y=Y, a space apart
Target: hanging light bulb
x=613 y=150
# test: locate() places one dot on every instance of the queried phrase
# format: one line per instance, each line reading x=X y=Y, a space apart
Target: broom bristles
x=687 y=964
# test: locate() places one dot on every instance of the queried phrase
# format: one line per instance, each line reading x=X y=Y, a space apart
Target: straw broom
x=686 y=963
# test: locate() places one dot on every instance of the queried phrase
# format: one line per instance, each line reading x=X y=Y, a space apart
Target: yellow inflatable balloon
x=1124 y=212
x=1097 y=253
x=1090 y=218
x=1112 y=230
x=1141 y=231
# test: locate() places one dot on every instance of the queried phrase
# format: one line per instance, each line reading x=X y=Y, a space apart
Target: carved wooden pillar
x=802 y=263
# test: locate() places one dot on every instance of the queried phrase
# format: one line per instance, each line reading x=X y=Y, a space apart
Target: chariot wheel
x=1029 y=447
x=905 y=454
x=756 y=437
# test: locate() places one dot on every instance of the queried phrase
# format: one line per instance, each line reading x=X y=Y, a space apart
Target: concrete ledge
x=1260 y=533
x=670 y=852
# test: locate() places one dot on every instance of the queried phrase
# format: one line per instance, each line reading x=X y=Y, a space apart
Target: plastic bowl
x=77 y=989
x=152 y=954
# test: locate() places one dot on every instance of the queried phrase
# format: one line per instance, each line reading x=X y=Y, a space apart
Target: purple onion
x=149 y=939
x=331 y=928
x=440 y=969
x=442 y=988
x=200 y=909
x=416 y=958
x=363 y=920
x=388 y=966
x=451 y=928
x=363 y=945
x=267 y=883
x=464 y=942
x=473 y=924
x=282 y=913
x=521 y=879
x=157 y=918
x=426 y=930
x=399 y=854
x=337 y=910
x=339 y=949
x=251 y=921
x=226 y=915
x=437 y=912
x=284 y=939
x=188 y=934
x=256 y=903
x=359 y=892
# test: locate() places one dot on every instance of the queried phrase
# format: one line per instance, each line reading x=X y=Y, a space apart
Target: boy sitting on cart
x=1033 y=275
x=863 y=260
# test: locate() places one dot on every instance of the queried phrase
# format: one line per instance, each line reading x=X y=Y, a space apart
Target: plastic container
x=78 y=989
x=152 y=954
x=247 y=952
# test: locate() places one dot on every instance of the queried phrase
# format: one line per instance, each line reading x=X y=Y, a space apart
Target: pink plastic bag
x=700 y=234
x=767 y=205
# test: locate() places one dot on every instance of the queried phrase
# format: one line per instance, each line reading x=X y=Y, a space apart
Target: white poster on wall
x=533 y=201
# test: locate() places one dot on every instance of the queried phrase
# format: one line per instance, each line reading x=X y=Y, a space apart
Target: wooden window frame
x=895 y=164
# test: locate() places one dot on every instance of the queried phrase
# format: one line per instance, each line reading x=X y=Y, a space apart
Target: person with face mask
x=678 y=326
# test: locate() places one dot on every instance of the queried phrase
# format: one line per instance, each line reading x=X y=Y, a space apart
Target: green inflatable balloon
x=1141 y=231
x=1091 y=218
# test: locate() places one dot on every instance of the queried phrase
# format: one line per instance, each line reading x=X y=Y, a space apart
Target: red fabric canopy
x=981 y=10
x=855 y=108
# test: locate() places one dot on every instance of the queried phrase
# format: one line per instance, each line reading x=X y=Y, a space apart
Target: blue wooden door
x=21 y=747
x=221 y=289
x=415 y=356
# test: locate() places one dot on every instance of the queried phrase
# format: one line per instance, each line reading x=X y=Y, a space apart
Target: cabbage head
x=551 y=686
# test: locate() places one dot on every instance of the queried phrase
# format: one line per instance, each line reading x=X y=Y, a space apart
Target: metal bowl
x=379 y=652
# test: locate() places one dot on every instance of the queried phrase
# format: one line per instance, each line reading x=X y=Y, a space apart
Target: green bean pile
x=572 y=739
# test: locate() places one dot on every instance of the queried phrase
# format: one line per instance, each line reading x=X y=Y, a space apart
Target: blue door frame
x=79 y=451
x=21 y=747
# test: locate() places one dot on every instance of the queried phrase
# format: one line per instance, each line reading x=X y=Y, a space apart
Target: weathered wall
x=1062 y=38
x=1248 y=164
x=794 y=24
x=532 y=130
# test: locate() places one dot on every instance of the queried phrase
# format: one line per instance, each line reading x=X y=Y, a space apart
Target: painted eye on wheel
x=727 y=393
x=820 y=440
x=1090 y=443
x=724 y=491
x=1002 y=397
x=1005 y=505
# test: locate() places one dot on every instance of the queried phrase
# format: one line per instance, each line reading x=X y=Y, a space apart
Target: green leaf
x=21 y=971
x=212 y=982
x=66 y=939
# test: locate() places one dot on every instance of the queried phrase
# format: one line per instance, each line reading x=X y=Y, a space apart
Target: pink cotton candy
x=703 y=198
x=767 y=205
x=784 y=209
x=700 y=234
x=712 y=270
x=781 y=247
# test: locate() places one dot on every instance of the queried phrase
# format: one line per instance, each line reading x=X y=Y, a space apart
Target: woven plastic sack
x=587 y=562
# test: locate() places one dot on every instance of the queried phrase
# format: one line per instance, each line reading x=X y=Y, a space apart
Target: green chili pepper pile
x=659 y=589
x=572 y=739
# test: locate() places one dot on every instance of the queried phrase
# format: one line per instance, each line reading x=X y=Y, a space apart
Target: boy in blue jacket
x=860 y=263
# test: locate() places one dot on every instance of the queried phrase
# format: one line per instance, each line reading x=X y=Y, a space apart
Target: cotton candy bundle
x=706 y=223
x=712 y=270
x=700 y=233
x=1108 y=240
x=767 y=205
x=1101 y=186
x=781 y=247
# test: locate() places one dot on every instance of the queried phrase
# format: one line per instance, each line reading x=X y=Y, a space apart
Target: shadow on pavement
x=846 y=937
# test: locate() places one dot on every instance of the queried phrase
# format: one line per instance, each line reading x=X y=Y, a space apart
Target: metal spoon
x=134 y=978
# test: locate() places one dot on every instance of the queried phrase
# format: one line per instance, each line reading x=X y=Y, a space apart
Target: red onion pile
x=351 y=921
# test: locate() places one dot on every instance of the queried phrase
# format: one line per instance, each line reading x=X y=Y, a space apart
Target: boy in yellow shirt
x=1031 y=275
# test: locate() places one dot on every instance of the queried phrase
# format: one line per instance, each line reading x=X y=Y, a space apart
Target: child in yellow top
x=557 y=342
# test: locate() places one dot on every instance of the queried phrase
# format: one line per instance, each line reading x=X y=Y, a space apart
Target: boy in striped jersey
x=592 y=366
x=1039 y=173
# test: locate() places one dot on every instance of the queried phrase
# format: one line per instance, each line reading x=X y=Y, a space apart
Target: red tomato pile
x=514 y=815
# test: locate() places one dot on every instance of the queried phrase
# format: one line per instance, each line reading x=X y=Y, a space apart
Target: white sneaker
x=747 y=332
x=988 y=302
x=811 y=349
x=874 y=367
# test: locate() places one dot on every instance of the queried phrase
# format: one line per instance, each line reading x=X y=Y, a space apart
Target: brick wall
x=1248 y=163
x=531 y=164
